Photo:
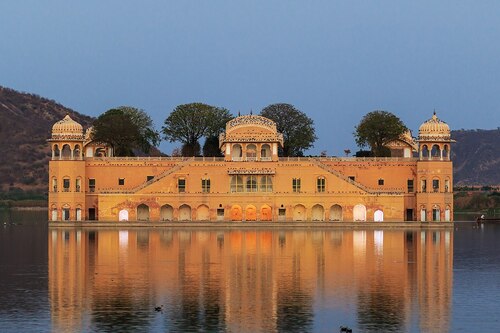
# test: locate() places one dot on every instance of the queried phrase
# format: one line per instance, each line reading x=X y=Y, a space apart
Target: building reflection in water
x=260 y=280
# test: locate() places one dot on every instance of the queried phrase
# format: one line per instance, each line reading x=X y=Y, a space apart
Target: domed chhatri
x=67 y=128
x=434 y=129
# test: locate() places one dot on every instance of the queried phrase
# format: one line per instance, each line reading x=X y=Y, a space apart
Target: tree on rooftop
x=188 y=123
x=126 y=129
x=297 y=128
x=376 y=129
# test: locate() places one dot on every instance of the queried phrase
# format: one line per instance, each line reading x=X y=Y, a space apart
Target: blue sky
x=334 y=60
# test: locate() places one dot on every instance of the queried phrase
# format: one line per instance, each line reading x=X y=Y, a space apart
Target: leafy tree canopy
x=126 y=129
x=297 y=128
x=188 y=123
x=376 y=129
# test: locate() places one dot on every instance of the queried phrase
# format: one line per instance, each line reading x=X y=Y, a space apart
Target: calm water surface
x=67 y=280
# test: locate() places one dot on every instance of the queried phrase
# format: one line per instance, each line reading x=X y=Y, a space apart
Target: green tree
x=126 y=129
x=297 y=128
x=376 y=129
x=188 y=123
x=211 y=146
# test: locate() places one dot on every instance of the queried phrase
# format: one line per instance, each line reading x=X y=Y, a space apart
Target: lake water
x=308 y=280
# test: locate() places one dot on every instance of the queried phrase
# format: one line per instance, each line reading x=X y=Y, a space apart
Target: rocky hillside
x=476 y=157
x=25 y=124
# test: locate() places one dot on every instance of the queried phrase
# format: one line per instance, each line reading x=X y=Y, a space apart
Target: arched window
x=435 y=185
x=77 y=152
x=78 y=184
x=236 y=152
x=56 y=153
x=66 y=184
x=425 y=152
x=446 y=152
x=66 y=152
x=423 y=185
x=265 y=152
x=54 y=184
x=251 y=153
x=266 y=184
x=251 y=185
x=236 y=183
x=436 y=152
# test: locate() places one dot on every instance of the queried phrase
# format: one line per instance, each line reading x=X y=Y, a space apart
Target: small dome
x=434 y=129
x=67 y=128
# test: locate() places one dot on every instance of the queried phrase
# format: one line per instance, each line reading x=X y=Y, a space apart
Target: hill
x=476 y=157
x=25 y=124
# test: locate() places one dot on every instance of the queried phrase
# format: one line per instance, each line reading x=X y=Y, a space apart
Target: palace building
x=251 y=182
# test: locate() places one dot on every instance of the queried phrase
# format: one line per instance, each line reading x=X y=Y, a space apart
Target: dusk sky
x=333 y=60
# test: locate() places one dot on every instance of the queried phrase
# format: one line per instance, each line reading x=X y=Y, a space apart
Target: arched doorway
x=142 y=212
x=436 y=213
x=202 y=213
x=236 y=213
x=318 y=213
x=250 y=213
x=54 y=214
x=185 y=213
x=166 y=213
x=359 y=213
x=123 y=215
x=447 y=214
x=378 y=216
x=266 y=213
x=78 y=214
x=336 y=213
x=299 y=213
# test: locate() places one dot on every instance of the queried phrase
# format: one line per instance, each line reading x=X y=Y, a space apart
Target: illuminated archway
x=359 y=213
x=378 y=216
x=123 y=215
x=250 y=213
x=266 y=213
x=236 y=213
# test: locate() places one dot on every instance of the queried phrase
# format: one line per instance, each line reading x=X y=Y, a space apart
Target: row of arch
x=435 y=214
x=74 y=151
x=66 y=184
x=66 y=152
x=251 y=213
x=251 y=152
x=435 y=185
x=435 y=152
x=66 y=213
